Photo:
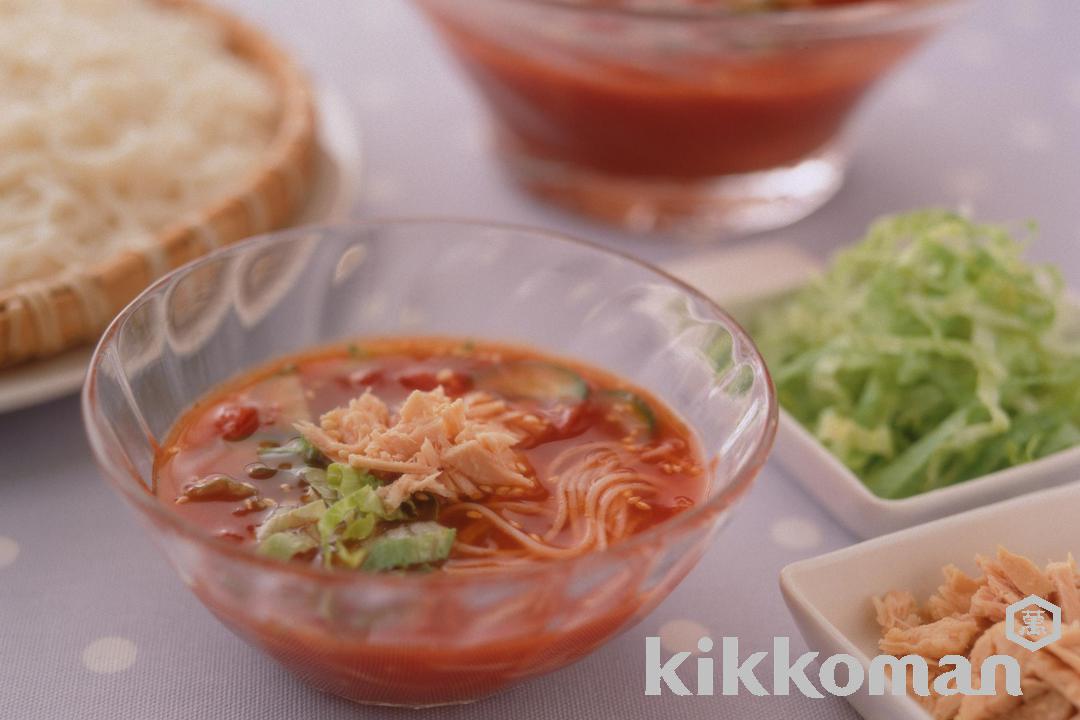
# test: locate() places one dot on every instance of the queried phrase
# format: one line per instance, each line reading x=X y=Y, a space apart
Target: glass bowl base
x=701 y=209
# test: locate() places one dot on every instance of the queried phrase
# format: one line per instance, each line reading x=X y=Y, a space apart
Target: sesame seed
x=642 y=505
x=473 y=514
x=286 y=487
x=634 y=500
x=536 y=537
x=486 y=488
x=182 y=499
x=515 y=523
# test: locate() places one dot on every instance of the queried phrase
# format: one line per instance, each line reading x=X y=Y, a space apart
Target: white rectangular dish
x=830 y=595
x=744 y=278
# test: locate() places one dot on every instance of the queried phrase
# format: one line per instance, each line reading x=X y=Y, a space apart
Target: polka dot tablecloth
x=94 y=625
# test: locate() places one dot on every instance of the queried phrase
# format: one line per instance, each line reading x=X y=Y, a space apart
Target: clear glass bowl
x=426 y=639
x=679 y=114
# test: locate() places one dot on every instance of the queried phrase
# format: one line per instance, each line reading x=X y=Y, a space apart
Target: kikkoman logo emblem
x=1025 y=623
x=1032 y=623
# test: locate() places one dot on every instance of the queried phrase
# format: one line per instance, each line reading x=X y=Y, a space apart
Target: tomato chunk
x=453 y=383
x=363 y=378
x=237 y=421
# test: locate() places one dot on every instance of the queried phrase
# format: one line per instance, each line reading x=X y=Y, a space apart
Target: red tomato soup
x=427 y=456
x=627 y=98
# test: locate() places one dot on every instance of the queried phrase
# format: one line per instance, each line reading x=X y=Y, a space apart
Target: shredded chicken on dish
x=454 y=449
x=967 y=617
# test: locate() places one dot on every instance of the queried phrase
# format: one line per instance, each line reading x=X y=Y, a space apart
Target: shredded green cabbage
x=928 y=354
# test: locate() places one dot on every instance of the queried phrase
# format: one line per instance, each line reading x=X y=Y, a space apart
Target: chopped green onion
x=413 y=544
x=286 y=545
x=359 y=511
x=351 y=558
x=346 y=480
x=361 y=527
x=288 y=518
x=297 y=448
x=317 y=481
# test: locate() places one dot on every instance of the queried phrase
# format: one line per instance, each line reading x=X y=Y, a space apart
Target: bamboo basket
x=40 y=318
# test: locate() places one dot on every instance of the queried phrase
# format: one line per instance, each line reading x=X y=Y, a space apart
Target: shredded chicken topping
x=967 y=617
x=454 y=449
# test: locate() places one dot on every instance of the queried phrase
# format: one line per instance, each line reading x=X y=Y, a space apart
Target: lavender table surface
x=94 y=625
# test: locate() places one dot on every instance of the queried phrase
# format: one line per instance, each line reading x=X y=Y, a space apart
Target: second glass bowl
x=433 y=638
x=675 y=115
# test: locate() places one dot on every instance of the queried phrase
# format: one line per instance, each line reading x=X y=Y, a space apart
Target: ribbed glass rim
x=134 y=490
x=852 y=16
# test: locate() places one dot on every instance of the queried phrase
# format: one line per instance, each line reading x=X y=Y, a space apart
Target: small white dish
x=745 y=278
x=867 y=515
x=337 y=182
x=830 y=596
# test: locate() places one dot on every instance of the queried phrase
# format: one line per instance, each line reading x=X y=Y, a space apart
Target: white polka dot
x=682 y=635
x=109 y=655
x=1033 y=134
x=9 y=550
x=975 y=48
x=966 y=183
x=795 y=533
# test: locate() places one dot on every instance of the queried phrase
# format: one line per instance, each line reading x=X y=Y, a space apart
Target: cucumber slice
x=630 y=411
x=534 y=380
